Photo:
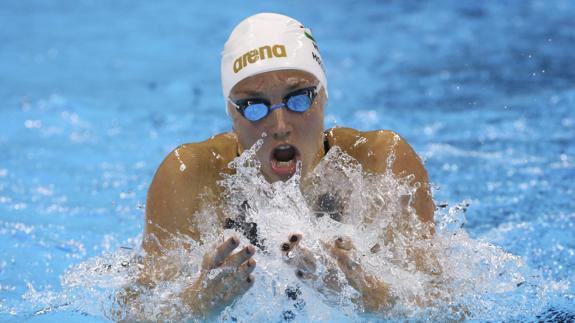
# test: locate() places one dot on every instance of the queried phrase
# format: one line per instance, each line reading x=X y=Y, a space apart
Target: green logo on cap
x=308 y=35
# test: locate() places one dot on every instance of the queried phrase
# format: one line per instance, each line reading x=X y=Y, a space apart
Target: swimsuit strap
x=325 y=142
x=248 y=229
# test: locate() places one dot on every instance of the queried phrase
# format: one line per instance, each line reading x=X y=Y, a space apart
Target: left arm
x=377 y=152
x=374 y=156
x=373 y=150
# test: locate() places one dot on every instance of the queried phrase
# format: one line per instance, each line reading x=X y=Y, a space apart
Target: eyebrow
x=296 y=85
x=249 y=93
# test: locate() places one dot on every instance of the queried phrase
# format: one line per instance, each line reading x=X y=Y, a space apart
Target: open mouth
x=283 y=160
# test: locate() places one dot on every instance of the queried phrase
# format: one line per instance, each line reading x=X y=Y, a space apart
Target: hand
x=224 y=278
x=299 y=257
x=375 y=295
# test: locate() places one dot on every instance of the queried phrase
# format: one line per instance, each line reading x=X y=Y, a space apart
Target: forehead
x=285 y=80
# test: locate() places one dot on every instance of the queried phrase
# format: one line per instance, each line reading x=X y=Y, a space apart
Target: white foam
x=460 y=277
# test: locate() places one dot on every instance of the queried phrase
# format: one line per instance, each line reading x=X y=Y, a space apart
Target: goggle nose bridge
x=278 y=106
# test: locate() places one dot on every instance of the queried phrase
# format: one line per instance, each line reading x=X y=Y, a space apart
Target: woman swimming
x=275 y=87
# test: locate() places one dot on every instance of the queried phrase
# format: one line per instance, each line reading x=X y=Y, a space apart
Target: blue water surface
x=94 y=94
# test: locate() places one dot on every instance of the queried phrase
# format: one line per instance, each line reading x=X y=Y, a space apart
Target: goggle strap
x=233 y=103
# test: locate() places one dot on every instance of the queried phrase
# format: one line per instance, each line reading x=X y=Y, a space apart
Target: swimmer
x=274 y=83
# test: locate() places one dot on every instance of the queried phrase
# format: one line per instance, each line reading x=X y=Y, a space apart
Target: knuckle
x=285 y=247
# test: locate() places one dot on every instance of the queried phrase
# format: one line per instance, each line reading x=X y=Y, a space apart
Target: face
x=289 y=136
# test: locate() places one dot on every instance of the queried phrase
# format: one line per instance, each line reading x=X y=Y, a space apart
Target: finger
x=241 y=287
x=223 y=251
x=345 y=261
x=301 y=258
x=249 y=281
x=295 y=238
x=305 y=275
x=244 y=270
x=240 y=257
x=229 y=278
x=344 y=243
x=305 y=260
x=293 y=241
x=213 y=287
x=350 y=268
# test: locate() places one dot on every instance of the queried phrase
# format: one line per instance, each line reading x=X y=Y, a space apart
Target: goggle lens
x=257 y=109
x=299 y=103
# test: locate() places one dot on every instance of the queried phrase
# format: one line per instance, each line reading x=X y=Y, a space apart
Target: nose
x=281 y=128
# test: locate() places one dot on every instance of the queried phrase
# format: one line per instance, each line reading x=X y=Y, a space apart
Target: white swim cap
x=269 y=42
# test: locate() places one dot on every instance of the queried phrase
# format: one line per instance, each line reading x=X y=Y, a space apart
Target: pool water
x=94 y=94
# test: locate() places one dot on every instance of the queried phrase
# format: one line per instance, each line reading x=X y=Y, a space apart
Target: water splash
x=444 y=276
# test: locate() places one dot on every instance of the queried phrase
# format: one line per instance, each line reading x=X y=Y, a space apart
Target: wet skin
x=208 y=297
x=375 y=294
x=177 y=194
x=304 y=131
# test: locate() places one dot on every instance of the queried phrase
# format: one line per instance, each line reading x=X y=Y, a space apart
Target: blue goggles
x=255 y=109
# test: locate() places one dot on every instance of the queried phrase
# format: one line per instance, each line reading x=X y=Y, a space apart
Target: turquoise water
x=93 y=95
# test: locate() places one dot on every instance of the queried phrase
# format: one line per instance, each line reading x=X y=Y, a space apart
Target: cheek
x=247 y=133
x=312 y=124
x=311 y=129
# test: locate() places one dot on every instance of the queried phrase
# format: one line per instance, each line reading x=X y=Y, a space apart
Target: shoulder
x=373 y=149
x=190 y=169
x=382 y=150
x=213 y=154
x=354 y=138
x=184 y=182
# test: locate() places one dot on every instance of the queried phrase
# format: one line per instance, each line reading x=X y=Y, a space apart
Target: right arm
x=176 y=194
x=183 y=184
